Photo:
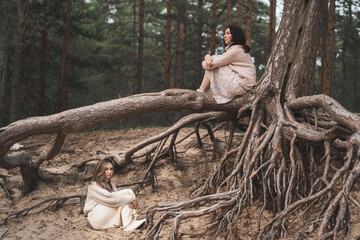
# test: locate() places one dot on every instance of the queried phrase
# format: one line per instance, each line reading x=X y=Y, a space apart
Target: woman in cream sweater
x=231 y=73
x=105 y=206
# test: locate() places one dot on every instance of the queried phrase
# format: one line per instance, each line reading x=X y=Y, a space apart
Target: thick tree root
x=175 y=128
x=7 y=191
x=174 y=211
x=4 y=234
x=53 y=204
x=276 y=164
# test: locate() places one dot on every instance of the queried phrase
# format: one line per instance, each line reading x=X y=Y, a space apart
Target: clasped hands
x=134 y=204
x=208 y=60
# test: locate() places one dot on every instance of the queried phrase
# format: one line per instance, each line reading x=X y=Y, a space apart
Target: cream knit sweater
x=238 y=61
x=98 y=195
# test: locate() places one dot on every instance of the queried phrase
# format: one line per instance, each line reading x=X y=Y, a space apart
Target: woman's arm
x=134 y=204
x=208 y=60
x=110 y=199
x=233 y=54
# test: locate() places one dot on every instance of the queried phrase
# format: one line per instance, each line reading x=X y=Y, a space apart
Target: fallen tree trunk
x=85 y=117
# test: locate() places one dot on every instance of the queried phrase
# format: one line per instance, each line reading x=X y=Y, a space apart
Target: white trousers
x=103 y=217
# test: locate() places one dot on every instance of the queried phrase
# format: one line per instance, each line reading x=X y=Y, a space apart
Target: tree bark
x=76 y=119
x=17 y=69
x=29 y=78
x=29 y=81
x=248 y=23
x=271 y=27
x=303 y=65
x=345 y=44
x=6 y=34
x=180 y=48
x=4 y=56
x=199 y=42
x=63 y=93
x=213 y=27
x=167 y=46
x=239 y=13
x=134 y=57
x=28 y=170
x=329 y=64
x=167 y=56
x=228 y=13
x=323 y=50
x=140 y=59
x=42 y=73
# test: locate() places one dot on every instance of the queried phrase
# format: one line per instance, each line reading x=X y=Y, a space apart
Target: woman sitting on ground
x=105 y=206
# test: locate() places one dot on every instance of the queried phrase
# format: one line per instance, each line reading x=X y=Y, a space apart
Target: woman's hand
x=208 y=60
x=134 y=204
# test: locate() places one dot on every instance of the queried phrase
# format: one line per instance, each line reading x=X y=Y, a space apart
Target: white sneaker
x=200 y=90
x=134 y=225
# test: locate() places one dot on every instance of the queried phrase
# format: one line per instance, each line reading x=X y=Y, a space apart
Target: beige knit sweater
x=238 y=61
x=98 y=195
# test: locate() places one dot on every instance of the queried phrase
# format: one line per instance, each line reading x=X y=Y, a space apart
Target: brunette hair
x=238 y=37
x=99 y=174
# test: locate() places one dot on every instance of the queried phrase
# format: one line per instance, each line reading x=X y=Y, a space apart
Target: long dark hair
x=238 y=37
x=99 y=174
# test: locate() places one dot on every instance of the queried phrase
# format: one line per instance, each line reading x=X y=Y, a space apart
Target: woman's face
x=108 y=170
x=227 y=36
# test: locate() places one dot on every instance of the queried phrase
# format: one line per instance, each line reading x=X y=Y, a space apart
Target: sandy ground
x=175 y=181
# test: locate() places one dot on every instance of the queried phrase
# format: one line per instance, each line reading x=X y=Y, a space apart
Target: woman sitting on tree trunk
x=232 y=73
x=105 y=206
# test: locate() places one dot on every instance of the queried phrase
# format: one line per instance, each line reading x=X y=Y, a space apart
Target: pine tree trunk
x=323 y=50
x=29 y=78
x=228 y=13
x=63 y=95
x=350 y=22
x=29 y=109
x=239 y=13
x=140 y=59
x=272 y=23
x=4 y=56
x=343 y=58
x=167 y=46
x=199 y=40
x=356 y=106
x=7 y=32
x=248 y=23
x=17 y=69
x=328 y=69
x=346 y=43
x=134 y=57
x=213 y=27
x=42 y=73
x=180 y=48
x=303 y=64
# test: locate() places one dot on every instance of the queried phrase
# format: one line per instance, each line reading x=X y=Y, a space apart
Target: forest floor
x=175 y=180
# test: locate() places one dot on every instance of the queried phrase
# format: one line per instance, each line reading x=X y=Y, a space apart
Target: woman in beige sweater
x=231 y=73
x=105 y=206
